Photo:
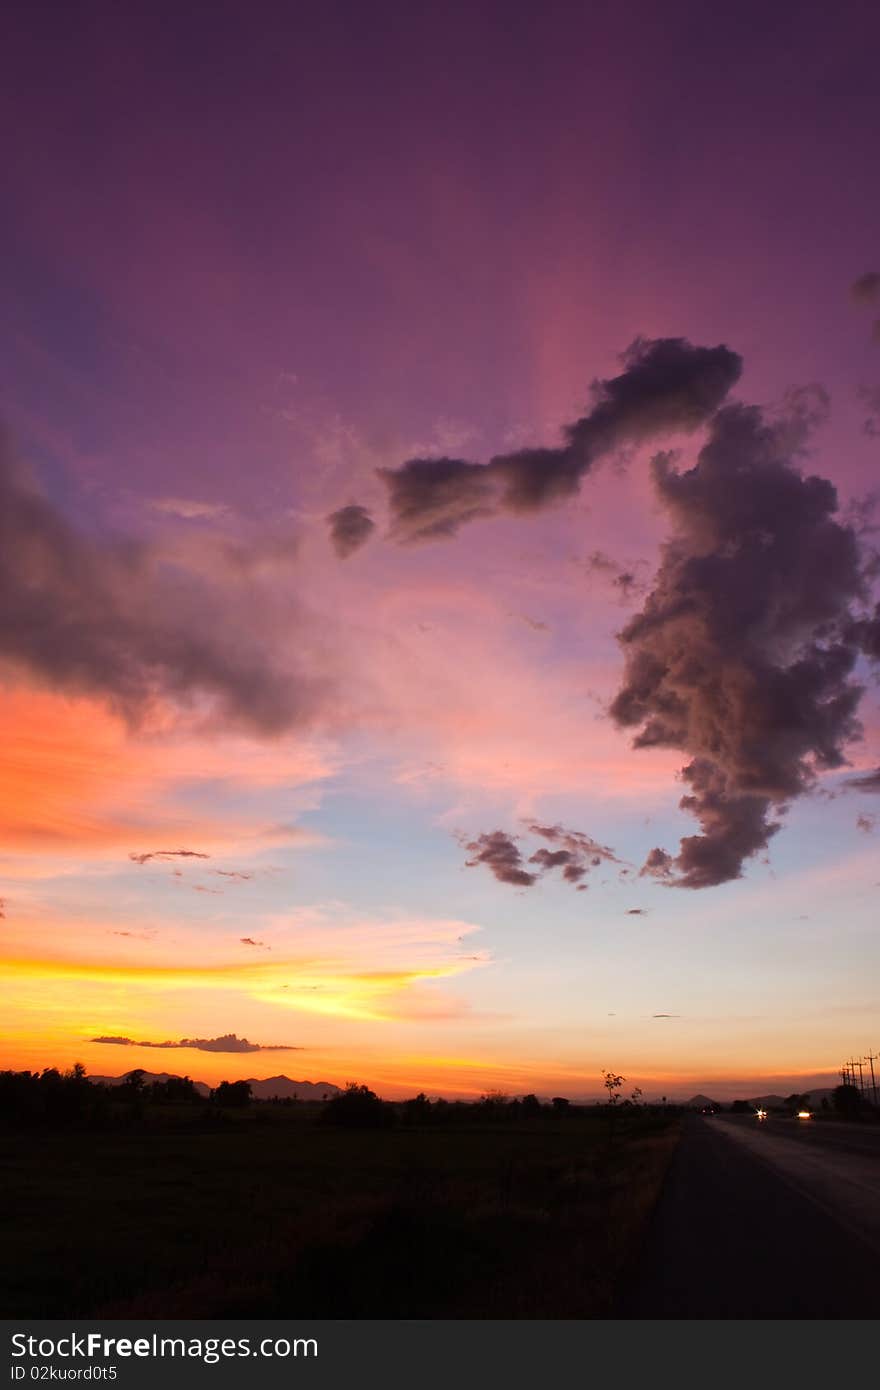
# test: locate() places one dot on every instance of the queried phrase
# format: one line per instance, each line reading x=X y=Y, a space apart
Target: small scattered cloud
x=498 y=851
x=870 y=399
x=867 y=782
x=865 y=294
x=622 y=578
x=657 y=865
x=249 y=941
x=350 y=528
x=189 y=508
x=228 y=1042
x=638 y=912
x=666 y=1015
x=534 y=623
x=866 y=823
x=573 y=852
x=865 y=290
x=234 y=874
x=166 y=854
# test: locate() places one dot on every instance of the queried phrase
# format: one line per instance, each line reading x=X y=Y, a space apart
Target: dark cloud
x=227 y=1043
x=666 y=384
x=499 y=853
x=864 y=632
x=742 y=654
x=233 y=874
x=534 y=623
x=249 y=941
x=866 y=289
x=2 y=908
x=866 y=824
x=870 y=398
x=657 y=865
x=666 y=1015
x=574 y=853
x=868 y=782
x=118 y=619
x=165 y=854
x=350 y=528
x=622 y=578
x=637 y=912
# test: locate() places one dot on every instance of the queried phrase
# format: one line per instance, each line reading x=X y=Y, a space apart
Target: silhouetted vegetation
x=52 y=1100
x=357 y=1107
x=233 y=1095
x=849 y=1103
x=149 y=1200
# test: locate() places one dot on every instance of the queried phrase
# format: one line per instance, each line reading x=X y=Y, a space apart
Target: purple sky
x=253 y=253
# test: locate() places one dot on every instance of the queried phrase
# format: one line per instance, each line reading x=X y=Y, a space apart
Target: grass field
x=271 y=1214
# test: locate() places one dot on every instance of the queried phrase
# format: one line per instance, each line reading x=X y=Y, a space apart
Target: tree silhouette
x=232 y=1094
x=357 y=1107
x=613 y=1083
x=417 y=1110
x=847 y=1101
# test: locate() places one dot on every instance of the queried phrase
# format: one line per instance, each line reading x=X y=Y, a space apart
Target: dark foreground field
x=270 y=1213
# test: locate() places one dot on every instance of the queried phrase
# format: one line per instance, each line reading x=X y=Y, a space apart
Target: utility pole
x=853 y=1063
x=871 y=1057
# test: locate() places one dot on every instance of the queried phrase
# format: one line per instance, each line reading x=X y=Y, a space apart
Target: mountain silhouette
x=265 y=1088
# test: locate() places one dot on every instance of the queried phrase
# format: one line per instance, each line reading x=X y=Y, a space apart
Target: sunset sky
x=421 y=434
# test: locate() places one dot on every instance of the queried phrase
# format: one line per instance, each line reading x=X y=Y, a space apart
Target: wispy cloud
x=357 y=969
x=189 y=508
x=165 y=854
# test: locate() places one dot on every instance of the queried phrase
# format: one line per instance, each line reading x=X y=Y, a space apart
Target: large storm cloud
x=743 y=654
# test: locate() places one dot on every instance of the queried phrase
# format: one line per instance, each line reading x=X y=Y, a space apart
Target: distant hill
x=149 y=1077
x=814 y=1099
x=700 y=1103
x=284 y=1088
x=263 y=1089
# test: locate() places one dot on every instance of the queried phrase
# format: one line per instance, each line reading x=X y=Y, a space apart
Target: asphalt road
x=750 y=1226
x=819 y=1134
